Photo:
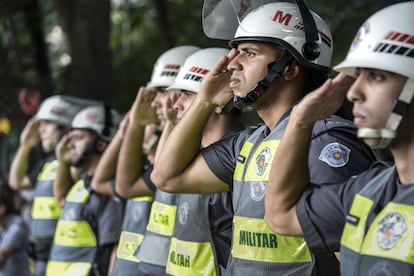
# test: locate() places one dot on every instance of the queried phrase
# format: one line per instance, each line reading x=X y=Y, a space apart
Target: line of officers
x=182 y=185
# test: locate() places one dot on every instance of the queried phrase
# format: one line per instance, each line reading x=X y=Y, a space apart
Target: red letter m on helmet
x=282 y=18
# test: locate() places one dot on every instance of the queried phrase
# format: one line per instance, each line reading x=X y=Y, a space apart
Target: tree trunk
x=87 y=27
x=163 y=23
x=33 y=19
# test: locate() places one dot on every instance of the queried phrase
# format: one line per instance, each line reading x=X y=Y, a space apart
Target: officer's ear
x=100 y=146
x=291 y=71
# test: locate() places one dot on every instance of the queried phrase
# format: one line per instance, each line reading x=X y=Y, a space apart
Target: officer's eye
x=249 y=52
x=376 y=75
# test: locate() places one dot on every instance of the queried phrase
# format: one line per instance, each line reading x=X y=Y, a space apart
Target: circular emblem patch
x=257 y=190
x=390 y=230
x=262 y=161
x=335 y=155
x=183 y=212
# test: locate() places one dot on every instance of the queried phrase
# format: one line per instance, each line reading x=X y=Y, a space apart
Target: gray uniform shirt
x=322 y=210
x=15 y=236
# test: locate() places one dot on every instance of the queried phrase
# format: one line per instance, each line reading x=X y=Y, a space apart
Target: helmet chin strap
x=384 y=136
x=379 y=138
x=274 y=70
x=147 y=146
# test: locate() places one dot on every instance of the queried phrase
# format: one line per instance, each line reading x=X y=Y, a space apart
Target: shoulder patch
x=390 y=230
x=335 y=155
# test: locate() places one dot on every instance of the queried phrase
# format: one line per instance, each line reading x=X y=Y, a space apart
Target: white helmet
x=385 y=42
x=61 y=109
x=302 y=32
x=196 y=67
x=168 y=64
x=104 y=121
x=303 y=35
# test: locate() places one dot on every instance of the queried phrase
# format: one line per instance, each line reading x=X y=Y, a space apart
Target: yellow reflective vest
x=74 y=245
x=154 y=248
x=378 y=240
x=45 y=208
x=192 y=249
x=256 y=249
x=136 y=217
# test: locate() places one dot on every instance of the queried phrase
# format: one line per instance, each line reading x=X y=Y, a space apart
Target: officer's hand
x=62 y=150
x=168 y=110
x=30 y=136
x=323 y=101
x=142 y=113
x=215 y=86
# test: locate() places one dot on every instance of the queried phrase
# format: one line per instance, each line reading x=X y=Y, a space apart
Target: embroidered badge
x=362 y=32
x=183 y=212
x=262 y=160
x=335 y=155
x=390 y=230
x=257 y=190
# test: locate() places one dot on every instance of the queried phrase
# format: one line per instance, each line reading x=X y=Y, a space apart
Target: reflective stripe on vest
x=74 y=233
x=162 y=219
x=74 y=245
x=386 y=246
x=190 y=258
x=45 y=208
x=65 y=269
x=191 y=250
x=136 y=217
x=154 y=248
x=253 y=242
x=128 y=245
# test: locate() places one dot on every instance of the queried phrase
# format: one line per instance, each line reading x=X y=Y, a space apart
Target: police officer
x=50 y=123
x=201 y=237
x=137 y=209
x=281 y=52
x=148 y=121
x=89 y=226
x=154 y=250
x=371 y=213
x=14 y=236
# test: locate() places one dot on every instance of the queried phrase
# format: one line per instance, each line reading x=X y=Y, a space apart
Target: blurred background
x=105 y=49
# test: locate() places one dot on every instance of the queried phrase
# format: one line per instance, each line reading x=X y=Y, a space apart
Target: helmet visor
x=221 y=18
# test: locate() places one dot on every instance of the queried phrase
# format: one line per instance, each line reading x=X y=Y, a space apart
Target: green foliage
x=344 y=18
x=138 y=38
x=136 y=51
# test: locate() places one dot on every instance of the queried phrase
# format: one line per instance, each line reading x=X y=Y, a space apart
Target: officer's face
x=183 y=103
x=374 y=93
x=79 y=141
x=49 y=135
x=249 y=66
x=159 y=101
